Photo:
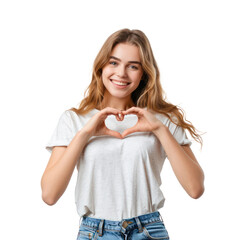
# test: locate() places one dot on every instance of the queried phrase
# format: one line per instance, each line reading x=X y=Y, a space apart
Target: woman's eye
x=133 y=67
x=113 y=63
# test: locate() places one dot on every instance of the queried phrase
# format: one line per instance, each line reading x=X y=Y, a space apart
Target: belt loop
x=100 y=227
x=161 y=217
x=139 y=224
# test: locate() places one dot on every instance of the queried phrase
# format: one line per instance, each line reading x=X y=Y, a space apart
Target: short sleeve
x=181 y=136
x=63 y=133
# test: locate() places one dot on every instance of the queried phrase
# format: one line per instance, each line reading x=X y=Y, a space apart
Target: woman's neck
x=116 y=104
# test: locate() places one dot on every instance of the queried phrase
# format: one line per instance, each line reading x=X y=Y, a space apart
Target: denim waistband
x=123 y=225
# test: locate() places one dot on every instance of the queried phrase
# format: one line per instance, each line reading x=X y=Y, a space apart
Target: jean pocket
x=155 y=230
x=86 y=232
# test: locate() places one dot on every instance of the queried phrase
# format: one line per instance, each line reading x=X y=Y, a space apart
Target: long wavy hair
x=148 y=94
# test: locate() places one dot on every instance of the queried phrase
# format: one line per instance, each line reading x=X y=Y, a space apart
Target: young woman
x=118 y=139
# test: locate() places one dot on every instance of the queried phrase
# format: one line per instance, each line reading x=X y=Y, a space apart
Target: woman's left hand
x=147 y=122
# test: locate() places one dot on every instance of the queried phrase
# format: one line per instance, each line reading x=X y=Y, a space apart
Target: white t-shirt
x=117 y=178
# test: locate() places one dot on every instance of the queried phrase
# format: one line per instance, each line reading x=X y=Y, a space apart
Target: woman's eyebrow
x=128 y=61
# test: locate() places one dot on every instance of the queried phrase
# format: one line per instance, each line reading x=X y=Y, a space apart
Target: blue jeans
x=143 y=227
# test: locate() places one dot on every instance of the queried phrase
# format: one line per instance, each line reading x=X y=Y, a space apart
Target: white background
x=47 y=49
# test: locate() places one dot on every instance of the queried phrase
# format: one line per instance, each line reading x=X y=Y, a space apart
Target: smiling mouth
x=120 y=83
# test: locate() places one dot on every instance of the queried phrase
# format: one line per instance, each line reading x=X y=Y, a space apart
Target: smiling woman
x=123 y=71
x=118 y=185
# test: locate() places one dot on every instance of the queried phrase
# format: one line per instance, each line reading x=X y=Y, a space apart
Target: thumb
x=113 y=133
x=129 y=131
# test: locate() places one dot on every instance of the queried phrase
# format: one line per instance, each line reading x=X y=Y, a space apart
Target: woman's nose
x=121 y=71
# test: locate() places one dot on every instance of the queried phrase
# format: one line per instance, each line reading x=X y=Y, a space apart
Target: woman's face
x=123 y=72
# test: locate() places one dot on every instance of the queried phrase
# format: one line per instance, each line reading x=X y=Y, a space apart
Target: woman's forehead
x=126 y=51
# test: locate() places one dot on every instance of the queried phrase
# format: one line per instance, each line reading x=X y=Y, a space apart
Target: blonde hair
x=148 y=94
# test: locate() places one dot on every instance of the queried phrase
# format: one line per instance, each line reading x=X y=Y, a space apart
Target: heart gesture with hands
x=147 y=122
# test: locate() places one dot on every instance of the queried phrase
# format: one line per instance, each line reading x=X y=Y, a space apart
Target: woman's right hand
x=96 y=125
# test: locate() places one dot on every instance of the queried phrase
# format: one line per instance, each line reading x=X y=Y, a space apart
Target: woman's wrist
x=160 y=130
x=84 y=133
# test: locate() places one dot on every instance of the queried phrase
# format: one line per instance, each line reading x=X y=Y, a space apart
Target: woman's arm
x=63 y=159
x=183 y=162
x=60 y=167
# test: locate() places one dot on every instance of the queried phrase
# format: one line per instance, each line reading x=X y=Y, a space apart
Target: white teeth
x=120 y=83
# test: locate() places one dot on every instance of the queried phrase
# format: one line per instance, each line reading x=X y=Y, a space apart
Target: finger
x=134 y=110
x=129 y=131
x=113 y=133
x=124 y=134
x=110 y=110
x=120 y=117
x=113 y=111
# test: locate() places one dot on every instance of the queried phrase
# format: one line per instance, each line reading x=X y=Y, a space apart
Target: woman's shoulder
x=165 y=118
x=74 y=115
